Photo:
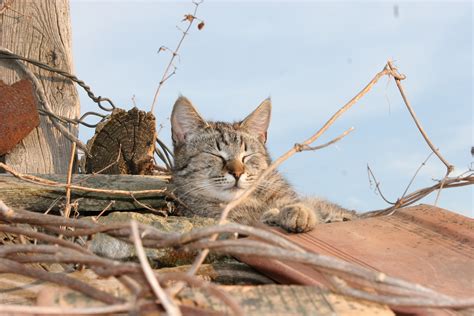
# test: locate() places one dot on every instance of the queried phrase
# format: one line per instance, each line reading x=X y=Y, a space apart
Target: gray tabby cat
x=216 y=161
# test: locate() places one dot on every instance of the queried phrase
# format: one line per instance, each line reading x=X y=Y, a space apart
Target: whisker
x=194 y=190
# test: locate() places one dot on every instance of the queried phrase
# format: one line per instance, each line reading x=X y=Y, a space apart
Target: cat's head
x=215 y=159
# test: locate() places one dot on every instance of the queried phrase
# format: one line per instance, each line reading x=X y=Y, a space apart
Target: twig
x=231 y=205
x=449 y=168
x=41 y=236
x=96 y=218
x=51 y=310
x=300 y=147
x=416 y=173
x=171 y=308
x=53 y=204
x=377 y=185
x=398 y=77
x=167 y=159
x=10 y=266
x=166 y=74
x=307 y=142
x=441 y=186
x=147 y=207
x=421 y=193
x=67 y=210
x=408 y=301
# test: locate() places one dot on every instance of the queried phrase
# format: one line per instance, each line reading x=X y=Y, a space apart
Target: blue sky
x=311 y=57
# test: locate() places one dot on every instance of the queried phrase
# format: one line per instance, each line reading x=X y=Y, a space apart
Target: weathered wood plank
x=254 y=300
x=285 y=300
x=18 y=193
x=41 y=30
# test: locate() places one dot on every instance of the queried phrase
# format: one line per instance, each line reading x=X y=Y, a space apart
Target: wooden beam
x=38 y=197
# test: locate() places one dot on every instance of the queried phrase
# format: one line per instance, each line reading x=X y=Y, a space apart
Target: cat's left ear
x=258 y=121
x=185 y=120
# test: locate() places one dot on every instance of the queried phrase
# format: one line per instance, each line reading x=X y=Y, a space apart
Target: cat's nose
x=236 y=174
x=235 y=168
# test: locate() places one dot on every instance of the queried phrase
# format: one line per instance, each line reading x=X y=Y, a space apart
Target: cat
x=216 y=161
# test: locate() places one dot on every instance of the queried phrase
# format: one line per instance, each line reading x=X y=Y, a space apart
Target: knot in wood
x=397 y=75
x=299 y=147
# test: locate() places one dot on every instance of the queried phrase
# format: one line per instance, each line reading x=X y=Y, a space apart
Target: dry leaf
x=201 y=25
x=188 y=17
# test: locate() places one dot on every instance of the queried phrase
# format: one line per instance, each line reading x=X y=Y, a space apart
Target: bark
x=41 y=30
x=18 y=193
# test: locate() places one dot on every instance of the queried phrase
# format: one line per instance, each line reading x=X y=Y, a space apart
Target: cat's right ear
x=185 y=120
x=257 y=122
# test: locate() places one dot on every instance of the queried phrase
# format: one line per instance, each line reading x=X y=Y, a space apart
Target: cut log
x=37 y=197
x=123 y=144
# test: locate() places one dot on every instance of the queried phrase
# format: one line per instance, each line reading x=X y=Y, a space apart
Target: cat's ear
x=185 y=120
x=257 y=122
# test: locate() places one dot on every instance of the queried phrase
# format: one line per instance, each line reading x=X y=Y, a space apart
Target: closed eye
x=215 y=155
x=247 y=157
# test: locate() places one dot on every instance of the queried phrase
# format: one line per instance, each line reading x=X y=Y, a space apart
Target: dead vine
x=15 y=259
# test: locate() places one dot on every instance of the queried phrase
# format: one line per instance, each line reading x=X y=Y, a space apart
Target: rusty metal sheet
x=422 y=244
x=18 y=113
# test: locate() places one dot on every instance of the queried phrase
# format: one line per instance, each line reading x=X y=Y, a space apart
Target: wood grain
x=18 y=193
x=41 y=30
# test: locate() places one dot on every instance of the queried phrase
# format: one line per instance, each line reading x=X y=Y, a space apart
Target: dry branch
x=67 y=209
x=449 y=167
x=268 y=245
x=10 y=266
x=174 y=53
x=297 y=148
x=168 y=303
x=398 y=77
x=413 y=197
x=51 y=310
x=377 y=185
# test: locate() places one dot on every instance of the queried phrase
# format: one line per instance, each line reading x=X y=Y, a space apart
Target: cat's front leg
x=294 y=218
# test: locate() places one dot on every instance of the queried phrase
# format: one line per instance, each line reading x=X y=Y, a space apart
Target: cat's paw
x=271 y=217
x=297 y=218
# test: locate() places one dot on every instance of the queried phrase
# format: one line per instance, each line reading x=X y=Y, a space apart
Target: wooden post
x=41 y=30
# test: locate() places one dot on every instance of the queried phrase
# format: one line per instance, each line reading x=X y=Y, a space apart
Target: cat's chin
x=228 y=195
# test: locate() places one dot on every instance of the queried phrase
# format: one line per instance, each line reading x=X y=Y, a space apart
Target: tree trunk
x=19 y=193
x=41 y=30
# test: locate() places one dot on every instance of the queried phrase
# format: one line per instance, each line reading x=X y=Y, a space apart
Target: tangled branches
x=347 y=278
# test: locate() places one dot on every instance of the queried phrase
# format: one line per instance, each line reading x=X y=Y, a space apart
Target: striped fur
x=216 y=161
